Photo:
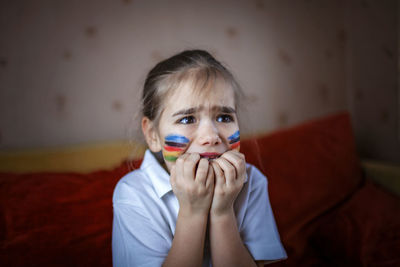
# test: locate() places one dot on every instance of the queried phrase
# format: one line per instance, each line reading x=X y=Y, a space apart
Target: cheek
x=234 y=141
x=174 y=146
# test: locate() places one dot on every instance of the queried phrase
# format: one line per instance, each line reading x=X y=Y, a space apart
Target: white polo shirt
x=146 y=210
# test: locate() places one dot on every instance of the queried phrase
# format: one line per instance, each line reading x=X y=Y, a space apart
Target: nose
x=208 y=134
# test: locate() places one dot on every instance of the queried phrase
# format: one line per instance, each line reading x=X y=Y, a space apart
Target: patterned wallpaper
x=71 y=71
x=372 y=75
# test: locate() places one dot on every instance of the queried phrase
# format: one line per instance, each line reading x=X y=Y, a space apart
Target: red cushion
x=52 y=219
x=363 y=232
x=310 y=168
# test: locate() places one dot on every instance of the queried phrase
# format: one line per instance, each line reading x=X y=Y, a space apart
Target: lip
x=210 y=155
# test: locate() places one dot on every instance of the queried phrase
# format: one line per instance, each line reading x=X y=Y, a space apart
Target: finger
x=237 y=159
x=228 y=169
x=219 y=178
x=210 y=176
x=189 y=166
x=231 y=156
x=172 y=177
x=179 y=163
x=202 y=171
x=235 y=154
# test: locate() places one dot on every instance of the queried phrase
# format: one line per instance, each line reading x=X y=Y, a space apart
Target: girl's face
x=204 y=124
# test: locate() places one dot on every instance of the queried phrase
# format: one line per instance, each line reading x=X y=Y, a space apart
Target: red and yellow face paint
x=175 y=145
x=234 y=141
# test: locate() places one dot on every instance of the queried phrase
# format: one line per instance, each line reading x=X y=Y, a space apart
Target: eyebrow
x=226 y=109
x=185 y=111
x=223 y=109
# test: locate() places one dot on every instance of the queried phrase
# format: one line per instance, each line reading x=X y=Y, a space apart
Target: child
x=194 y=201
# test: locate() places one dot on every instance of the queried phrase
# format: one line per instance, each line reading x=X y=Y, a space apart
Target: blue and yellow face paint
x=234 y=141
x=175 y=145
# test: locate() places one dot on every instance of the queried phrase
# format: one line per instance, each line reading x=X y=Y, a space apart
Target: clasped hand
x=208 y=187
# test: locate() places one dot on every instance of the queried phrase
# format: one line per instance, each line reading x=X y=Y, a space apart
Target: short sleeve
x=259 y=231
x=135 y=242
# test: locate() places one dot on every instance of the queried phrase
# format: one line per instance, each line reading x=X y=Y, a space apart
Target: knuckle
x=194 y=157
x=237 y=164
x=242 y=168
x=230 y=170
x=191 y=161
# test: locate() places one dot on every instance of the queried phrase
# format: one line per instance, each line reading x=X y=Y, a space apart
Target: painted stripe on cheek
x=174 y=146
x=236 y=135
x=235 y=145
x=234 y=141
x=176 y=138
x=170 y=158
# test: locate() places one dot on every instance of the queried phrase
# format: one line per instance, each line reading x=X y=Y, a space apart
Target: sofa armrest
x=385 y=174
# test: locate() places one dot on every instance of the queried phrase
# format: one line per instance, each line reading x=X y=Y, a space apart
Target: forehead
x=189 y=95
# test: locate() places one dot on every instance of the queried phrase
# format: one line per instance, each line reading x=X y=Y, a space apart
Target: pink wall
x=71 y=71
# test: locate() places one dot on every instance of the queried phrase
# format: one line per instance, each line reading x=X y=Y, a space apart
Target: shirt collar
x=157 y=174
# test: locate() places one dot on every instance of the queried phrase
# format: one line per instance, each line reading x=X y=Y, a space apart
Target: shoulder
x=254 y=176
x=132 y=187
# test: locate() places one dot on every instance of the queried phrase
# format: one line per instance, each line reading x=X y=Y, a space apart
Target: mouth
x=210 y=155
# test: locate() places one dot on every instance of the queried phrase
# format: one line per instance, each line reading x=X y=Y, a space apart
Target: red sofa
x=328 y=213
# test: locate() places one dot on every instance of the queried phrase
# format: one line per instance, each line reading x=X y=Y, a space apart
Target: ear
x=151 y=135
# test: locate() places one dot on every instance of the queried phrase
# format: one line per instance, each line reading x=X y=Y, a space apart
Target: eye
x=225 y=118
x=187 y=120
